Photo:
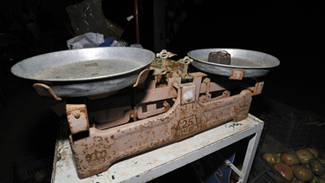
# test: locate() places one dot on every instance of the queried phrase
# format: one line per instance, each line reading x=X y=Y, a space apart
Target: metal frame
x=155 y=163
x=96 y=149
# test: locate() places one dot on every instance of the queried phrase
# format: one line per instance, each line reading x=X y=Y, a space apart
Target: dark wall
x=292 y=32
x=11 y=9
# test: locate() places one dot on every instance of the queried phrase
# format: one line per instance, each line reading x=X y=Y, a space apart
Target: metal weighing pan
x=250 y=63
x=86 y=72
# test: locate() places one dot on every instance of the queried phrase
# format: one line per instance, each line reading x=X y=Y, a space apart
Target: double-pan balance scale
x=121 y=101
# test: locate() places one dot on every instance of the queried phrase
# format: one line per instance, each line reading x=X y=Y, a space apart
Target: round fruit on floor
x=271 y=158
x=302 y=172
x=297 y=181
x=284 y=170
x=313 y=151
x=290 y=158
x=304 y=156
x=316 y=166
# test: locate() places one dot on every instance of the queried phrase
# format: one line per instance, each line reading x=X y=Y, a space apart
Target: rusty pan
x=86 y=72
x=250 y=63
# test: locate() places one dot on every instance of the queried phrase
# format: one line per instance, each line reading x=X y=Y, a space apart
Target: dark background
x=292 y=32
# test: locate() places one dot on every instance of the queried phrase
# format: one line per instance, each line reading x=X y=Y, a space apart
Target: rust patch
x=187 y=126
x=92 y=64
x=91 y=172
x=76 y=115
x=180 y=122
x=96 y=158
x=172 y=92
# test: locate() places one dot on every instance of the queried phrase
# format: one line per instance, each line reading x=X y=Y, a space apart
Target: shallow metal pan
x=252 y=63
x=86 y=72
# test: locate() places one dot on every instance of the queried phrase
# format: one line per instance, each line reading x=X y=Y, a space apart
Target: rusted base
x=97 y=149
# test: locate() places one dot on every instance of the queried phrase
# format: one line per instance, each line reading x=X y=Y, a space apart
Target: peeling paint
x=187 y=117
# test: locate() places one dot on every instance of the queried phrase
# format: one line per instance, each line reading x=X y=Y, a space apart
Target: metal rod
x=250 y=154
x=231 y=165
x=137 y=21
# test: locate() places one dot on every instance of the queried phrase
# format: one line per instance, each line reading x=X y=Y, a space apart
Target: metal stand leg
x=249 y=157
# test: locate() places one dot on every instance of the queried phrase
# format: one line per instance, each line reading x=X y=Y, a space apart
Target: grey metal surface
x=253 y=63
x=85 y=72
